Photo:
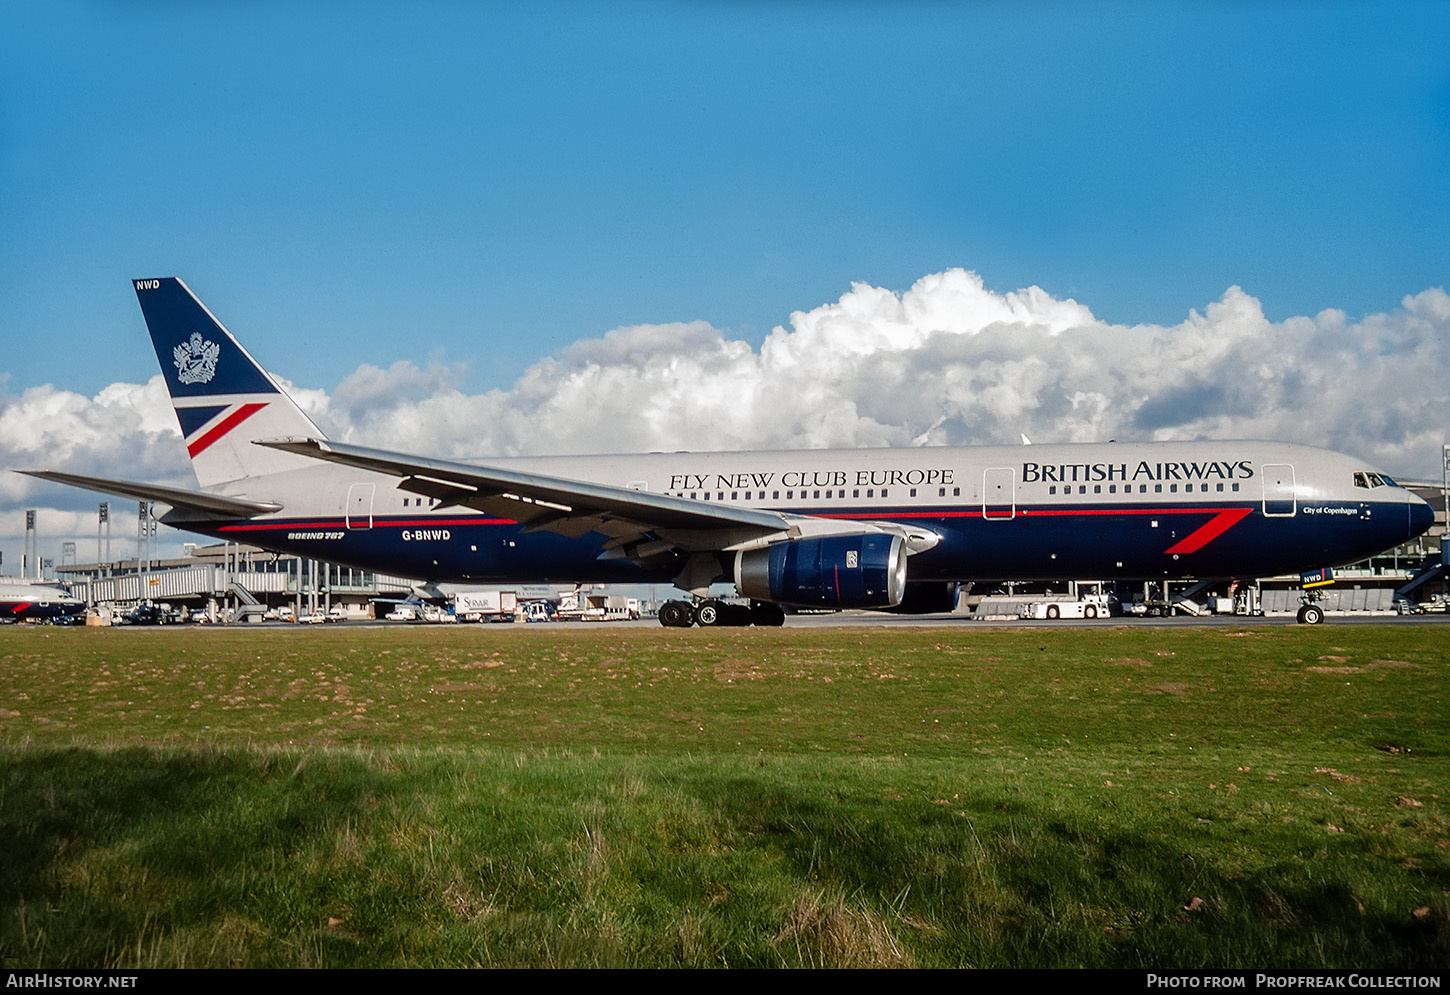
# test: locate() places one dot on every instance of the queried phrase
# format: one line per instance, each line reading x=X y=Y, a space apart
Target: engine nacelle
x=864 y=570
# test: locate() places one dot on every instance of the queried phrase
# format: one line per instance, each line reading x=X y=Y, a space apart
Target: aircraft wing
x=640 y=524
x=197 y=503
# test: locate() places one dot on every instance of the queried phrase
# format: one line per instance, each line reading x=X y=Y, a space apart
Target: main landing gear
x=712 y=612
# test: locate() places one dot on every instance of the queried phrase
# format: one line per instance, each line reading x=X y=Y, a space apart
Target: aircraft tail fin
x=223 y=398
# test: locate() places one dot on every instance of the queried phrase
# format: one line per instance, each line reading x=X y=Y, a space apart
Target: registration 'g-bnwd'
x=889 y=529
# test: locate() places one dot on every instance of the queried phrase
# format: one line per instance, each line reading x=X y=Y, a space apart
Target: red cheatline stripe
x=1223 y=519
x=20 y=608
x=228 y=423
x=1209 y=531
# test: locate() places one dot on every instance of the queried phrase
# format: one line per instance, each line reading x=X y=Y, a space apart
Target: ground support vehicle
x=1093 y=606
x=485 y=606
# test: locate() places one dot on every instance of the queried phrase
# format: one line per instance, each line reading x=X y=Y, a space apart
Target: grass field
x=500 y=795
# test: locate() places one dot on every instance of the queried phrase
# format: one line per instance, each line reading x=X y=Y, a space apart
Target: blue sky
x=484 y=184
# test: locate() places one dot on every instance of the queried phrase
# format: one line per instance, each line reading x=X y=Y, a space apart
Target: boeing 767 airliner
x=891 y=529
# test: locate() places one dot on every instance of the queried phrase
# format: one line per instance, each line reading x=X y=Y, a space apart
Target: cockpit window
x=1361 y=479
x=1365 y=478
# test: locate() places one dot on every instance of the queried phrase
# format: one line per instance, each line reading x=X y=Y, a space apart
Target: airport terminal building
x=232 y=582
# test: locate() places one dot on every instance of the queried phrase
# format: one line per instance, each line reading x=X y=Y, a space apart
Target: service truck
x=485 y=606
x=598 y=608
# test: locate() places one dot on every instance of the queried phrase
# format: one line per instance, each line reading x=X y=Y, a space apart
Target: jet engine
x=859 y=570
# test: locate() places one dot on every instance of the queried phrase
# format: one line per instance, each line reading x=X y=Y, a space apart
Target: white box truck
x=485 y=606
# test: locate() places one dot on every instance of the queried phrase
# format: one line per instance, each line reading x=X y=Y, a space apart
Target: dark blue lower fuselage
x=1130 y=541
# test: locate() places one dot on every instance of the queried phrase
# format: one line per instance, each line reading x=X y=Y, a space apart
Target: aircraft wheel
x=708 y=613
x=1311 y=615
x=675 y=614
x=1052 y=611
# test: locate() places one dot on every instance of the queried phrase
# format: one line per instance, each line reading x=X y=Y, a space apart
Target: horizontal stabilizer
x=210 y=505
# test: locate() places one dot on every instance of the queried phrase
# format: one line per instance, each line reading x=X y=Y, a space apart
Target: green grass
x=1260 y=797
